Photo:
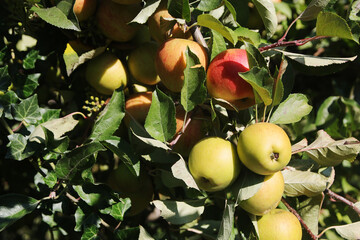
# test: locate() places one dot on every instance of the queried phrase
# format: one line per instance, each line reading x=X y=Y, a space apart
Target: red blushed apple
x=171 y=61
x=223 y=80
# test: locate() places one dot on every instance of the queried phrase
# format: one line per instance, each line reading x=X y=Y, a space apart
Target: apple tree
x=195 y=119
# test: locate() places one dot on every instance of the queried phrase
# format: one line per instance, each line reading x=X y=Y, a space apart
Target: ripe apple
x=160 y=32
x=105 y=73
x=264 y=148
x=141 y=63
x=171 y=61
x=279 y=224
x=113 y=18
x=127 y=2
x=223 y=80
x=84 y=9
x=268 y=196
x=214 y=164
x=194 y=132
x=137 y=105
x=139 y=189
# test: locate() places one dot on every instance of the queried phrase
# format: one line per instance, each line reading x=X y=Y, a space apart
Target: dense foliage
x=76 y=165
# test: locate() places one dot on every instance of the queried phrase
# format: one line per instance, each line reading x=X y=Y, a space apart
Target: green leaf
x=261 y=82
x=267 y=12
x=349 y=231
x=50 y=179
x=30 y=59
x=13 y=207
x=354 y=13
x=218 y=44
x=18 y=147
x=84 y=219
x=206 y=20
x=77 y=160
x=208 y=5
x=181 y=172
x=127 y=233
x=5 y=79
x=328 y=152
x=306 y=183
x=27 y=110
x=49 y=114
x=110 y=118
x=160 y=121
x=332 y=25
x=309 y=210
x=292 y=110
x=247 y=35
x=177 y=212
x=179 y=9
x=246 y=185
x=58 y=126
x=255 y=58
x=118 y=209
x=125 y=152
x=227 y=223
x=97 y=195
x=55 y=145
x=90 y=233
x=57 y=16
x=278 y=92
x=193 y=91
x=313 y=9
x=149 y=8
x=25 y=85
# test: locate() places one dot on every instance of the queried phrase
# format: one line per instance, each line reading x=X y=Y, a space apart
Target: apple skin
x=84 y=9
x=223 y=80
x=264 y=148
x=105 y=73
x=141 y=63
x=171 y=61
x=268 y=197
x=113 y=18
x=138 y=105
x=279 y=224
x=127 y=2
x=160 y=34
x=139 y=189
x=194 y=132
x=214 y=164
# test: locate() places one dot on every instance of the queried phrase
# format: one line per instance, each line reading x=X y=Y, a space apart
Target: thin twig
x=293 y=211
x=335 y=196
x=299 y=42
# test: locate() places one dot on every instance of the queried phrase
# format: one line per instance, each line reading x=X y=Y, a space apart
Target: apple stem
x=335 y=196
x=299 y=42
x=293 y=211
x=256 y=113
x=264 y=114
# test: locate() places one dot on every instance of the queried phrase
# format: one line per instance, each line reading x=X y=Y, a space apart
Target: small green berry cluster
x=93 y=104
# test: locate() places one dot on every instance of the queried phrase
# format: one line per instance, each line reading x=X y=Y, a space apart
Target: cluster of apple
x=263 y=148
x=215 y=163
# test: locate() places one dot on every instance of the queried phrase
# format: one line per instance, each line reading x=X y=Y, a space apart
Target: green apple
x=214 y=164
x=141 y=62
x=279 y=224
x=268 y=196
x=105 y=73
x=139 y=189
x=264 y=148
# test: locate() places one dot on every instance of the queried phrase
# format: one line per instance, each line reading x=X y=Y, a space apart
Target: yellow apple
x=214 y=164
x=268 y=196
x=279 y=224
x=105 y=73
x=264 y=148
x=113 y=18
x=171 y=61
x=141 y=63
x=137 y=106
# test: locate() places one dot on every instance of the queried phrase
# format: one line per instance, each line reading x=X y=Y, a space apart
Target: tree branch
x=299 y=42
x=292 y=210
x=337 y=197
